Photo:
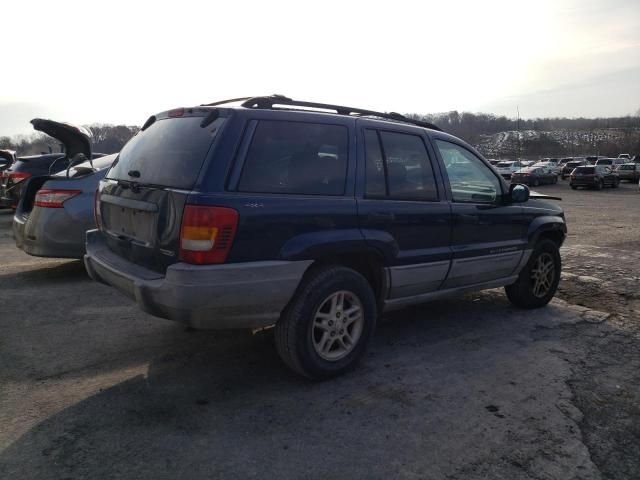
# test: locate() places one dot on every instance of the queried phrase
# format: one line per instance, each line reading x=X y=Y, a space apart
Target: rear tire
x=327 y=326
x=536 y=182
x=616 y=183
x=600 y=185
x=538 y=280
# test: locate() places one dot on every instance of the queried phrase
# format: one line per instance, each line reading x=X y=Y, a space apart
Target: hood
x=75 y=139
x=542 y=196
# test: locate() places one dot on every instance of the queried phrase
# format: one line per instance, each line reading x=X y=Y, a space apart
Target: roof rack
x=222 y=102
x=268 y=102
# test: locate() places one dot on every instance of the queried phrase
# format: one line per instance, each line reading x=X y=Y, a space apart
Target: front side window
x=296 y=158
x=397 y=166
x=470 y=179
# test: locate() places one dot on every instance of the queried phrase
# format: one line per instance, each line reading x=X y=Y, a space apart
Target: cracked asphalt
x=463 y=388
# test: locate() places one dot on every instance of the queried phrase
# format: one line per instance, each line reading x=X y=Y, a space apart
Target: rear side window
x=170 y=152
x=397 y=166
x=296 y=158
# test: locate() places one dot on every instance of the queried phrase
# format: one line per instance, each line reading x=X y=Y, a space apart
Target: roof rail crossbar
x=270 y=101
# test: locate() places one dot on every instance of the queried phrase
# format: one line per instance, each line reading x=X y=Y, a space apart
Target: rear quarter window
x=169 y=153
x=296 y=158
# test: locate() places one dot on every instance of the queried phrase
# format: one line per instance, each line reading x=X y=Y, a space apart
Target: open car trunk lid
x=75 y=139
x=141 y=200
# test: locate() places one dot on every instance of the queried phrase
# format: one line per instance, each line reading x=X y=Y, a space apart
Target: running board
x=396 y=303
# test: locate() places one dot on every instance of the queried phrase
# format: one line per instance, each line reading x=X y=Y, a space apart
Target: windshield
x=505 y=164
x=170 y=152
x=604 y=162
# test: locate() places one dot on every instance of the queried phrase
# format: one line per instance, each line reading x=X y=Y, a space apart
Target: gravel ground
x=465 y=388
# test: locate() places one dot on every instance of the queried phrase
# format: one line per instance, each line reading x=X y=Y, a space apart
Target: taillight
x=17 y=176
x=54 y=198
x=96 y=208
x=207 y=234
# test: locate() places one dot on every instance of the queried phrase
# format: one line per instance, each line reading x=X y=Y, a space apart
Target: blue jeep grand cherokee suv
x=315 y=218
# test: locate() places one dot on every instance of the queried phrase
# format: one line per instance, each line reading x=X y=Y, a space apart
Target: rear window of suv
x=586 y=170
x=296 y=158
x=170 y=152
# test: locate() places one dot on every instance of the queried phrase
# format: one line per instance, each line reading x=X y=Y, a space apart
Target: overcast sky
x=120 y=61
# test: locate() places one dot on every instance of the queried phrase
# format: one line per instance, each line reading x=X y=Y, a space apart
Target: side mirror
x=518 y=193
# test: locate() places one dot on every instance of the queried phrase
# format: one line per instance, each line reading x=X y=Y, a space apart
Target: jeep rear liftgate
x=141 y=202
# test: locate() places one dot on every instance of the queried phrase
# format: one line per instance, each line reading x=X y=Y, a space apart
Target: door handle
x=381 y=217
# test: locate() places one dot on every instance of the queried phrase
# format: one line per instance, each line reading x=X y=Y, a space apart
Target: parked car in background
x=591 y=160
x=553 y=163
x=77 y=148
x=55 y=211
x=629 y=171
x=494 y=162
x=548 y=166
x=195 y=224
x=624 y=156
x=570 y=166
x=594 y=176
x=612 y=163
x=534 y=176
x=507 y=168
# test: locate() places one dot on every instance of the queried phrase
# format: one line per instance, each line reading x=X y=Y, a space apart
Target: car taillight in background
x=54 y=198
x=207 y=234
x=17 y=176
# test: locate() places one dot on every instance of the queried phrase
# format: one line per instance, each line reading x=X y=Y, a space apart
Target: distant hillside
x=533 y=144
x=502 y=137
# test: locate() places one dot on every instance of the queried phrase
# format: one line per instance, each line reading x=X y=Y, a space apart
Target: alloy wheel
x=543 y=274
x=337 y=325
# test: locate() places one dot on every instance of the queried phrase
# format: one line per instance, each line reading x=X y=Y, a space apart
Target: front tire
x=327 y=326
x=538 y=280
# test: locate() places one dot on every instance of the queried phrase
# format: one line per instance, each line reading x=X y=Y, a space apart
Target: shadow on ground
x=454 y=388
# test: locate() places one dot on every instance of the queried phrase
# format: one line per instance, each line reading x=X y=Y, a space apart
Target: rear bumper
x=51 y=232
x=630 y=177
x=235 y=295
x=584 y=182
